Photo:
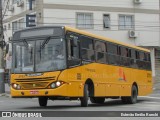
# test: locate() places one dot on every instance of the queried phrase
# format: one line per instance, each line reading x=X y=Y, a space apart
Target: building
x=134 y=22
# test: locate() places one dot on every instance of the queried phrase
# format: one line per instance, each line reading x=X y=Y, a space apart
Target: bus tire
x=84 y=99
x=133 y=98
x=99 y=100
x=43 y=101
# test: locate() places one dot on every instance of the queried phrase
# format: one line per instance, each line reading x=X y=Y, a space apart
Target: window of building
x=14 y=1
x=18 y=25
x=106 y=21
x=21 y=23
x=126 y=22
x=84 y=20
x=9 y=26
x=14 y=26
x=4 y=27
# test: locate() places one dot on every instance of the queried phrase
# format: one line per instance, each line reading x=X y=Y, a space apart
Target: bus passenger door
x=73 y=61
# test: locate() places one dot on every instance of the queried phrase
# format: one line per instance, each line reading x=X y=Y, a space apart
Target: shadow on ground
x=111 y=103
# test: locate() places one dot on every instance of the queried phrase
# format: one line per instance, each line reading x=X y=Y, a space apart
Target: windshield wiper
x=45 y=42
x=25 y=43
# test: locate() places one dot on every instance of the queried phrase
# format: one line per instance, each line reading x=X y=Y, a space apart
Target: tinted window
x=100 y=49
x=100 y=46
x=141 y=56
x=86 y=42
x=119 y=50
x=87 y=55
x=112 y=48
x=129 y=53
x=124 y=61
x=133 y=54
x=148 y=57
x=113 y=59
x=145 y=57
x=87 y=52
x=137 y=55
x=101 y=57
x=124 y=52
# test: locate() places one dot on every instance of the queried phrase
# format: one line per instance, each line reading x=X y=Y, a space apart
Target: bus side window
x=125 y=60
x=73 y=49
x=87 y=49
x=133 y=59
x=140 y=57
x=137 y=55
x=113 y=57
x=148 y=62
x=100 y=49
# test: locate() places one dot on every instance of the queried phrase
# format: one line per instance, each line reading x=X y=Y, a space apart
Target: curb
x=5 y=95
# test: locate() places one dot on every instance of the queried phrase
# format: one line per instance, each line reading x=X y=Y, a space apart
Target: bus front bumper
x=61 y=91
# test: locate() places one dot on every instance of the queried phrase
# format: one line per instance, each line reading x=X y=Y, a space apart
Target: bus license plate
x=34 y=92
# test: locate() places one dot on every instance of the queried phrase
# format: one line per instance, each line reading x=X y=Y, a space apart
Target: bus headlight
x=53 y=85
x=16 y=86
x=56 y=84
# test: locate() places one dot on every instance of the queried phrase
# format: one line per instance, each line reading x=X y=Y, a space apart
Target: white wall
x=146 y=4
x=17 y=10
x=146 y=25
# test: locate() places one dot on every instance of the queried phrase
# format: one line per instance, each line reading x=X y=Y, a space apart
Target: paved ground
x=150 y=103
x=146 y=103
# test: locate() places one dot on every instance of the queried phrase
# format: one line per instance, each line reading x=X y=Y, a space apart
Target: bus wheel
x=43 y=101
x=99 y=100
x=84 y=99
x=133 y=98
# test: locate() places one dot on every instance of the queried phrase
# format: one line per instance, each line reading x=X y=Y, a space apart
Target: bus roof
x=104 y=38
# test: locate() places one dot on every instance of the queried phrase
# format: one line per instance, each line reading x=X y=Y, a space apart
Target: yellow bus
x=60 y=62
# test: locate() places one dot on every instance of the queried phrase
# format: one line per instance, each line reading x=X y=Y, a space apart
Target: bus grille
x=34 y=85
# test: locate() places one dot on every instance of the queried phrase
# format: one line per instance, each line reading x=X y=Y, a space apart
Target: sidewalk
x=7 y=90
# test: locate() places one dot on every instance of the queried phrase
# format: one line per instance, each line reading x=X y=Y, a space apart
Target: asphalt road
x=146 y=103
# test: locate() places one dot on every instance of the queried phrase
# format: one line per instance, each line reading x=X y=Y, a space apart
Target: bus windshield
x=42 y=55
x=50 y=56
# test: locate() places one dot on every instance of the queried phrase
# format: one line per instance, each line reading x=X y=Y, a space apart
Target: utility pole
x=2 y=85
x=159 y=23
